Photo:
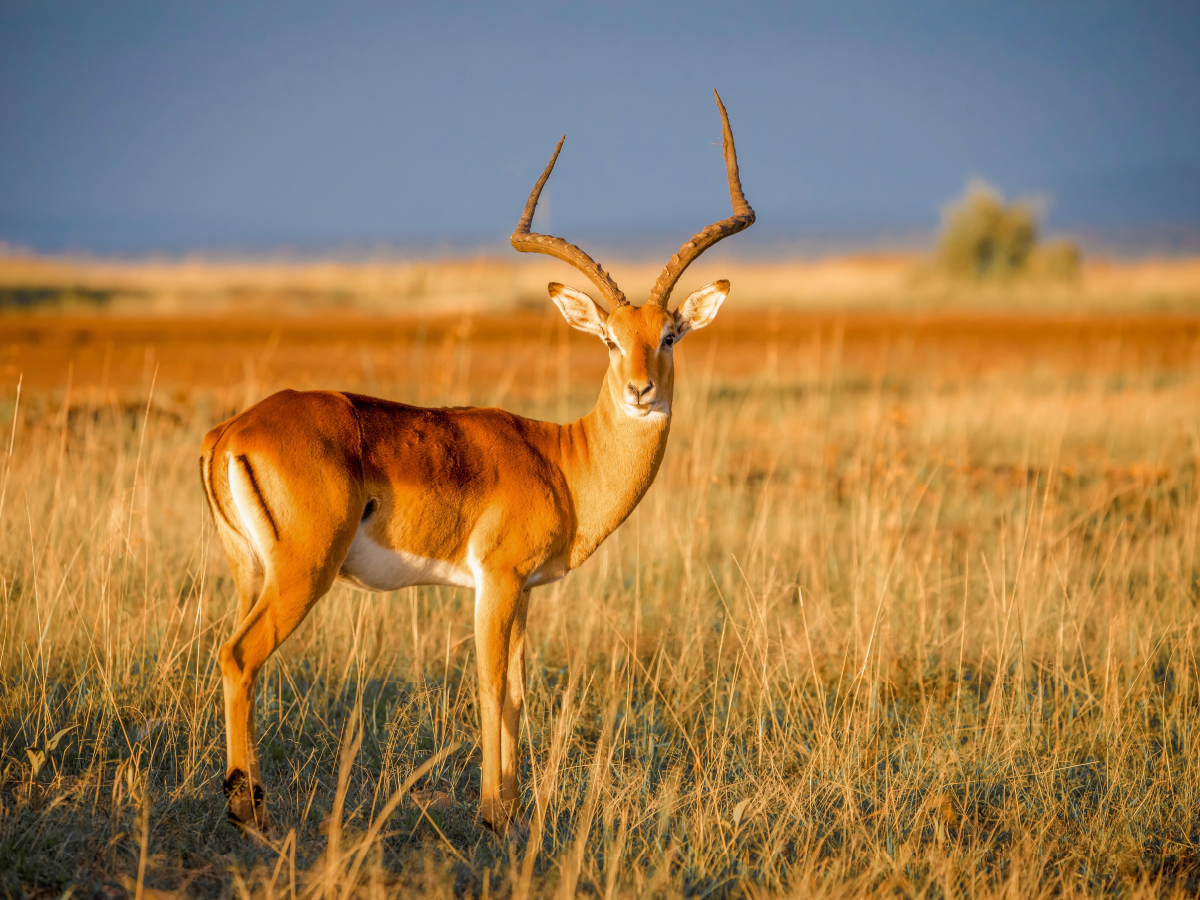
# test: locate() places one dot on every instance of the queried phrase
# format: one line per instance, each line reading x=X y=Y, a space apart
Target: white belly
x=382 y=569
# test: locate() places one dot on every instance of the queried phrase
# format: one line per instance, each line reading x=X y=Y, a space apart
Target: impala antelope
x=310 y=487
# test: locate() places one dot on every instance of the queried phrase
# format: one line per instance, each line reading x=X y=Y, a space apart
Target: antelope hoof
x=513 y=827
x=518 y=829
x=245 y=808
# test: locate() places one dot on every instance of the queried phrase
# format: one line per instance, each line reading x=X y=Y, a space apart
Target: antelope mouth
x=644 y=410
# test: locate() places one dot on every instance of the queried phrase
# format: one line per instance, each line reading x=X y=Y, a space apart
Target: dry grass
x=910 y=610
x=501 y=284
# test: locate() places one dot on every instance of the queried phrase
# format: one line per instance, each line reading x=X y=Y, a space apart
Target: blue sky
x=133 y=127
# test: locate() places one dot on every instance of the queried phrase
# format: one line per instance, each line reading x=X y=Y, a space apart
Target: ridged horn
x=742 y=218
x=530 y=242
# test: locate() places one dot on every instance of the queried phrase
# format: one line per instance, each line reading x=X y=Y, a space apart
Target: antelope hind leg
x=275 y=616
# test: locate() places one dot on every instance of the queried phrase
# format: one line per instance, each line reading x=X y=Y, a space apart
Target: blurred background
x=299 y=158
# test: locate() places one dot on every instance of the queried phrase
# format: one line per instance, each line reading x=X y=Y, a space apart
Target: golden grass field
x=911 y=609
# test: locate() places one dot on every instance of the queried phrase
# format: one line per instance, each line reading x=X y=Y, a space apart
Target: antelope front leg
x=498 y=601
x=514 y=699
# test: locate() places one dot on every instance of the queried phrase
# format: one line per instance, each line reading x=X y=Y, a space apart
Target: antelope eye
x=610 y=344
x=668 y=340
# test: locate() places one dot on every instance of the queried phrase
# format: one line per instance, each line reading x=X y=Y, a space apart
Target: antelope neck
x=609 y=460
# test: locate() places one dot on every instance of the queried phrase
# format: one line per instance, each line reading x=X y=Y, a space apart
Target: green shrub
x=985 y=237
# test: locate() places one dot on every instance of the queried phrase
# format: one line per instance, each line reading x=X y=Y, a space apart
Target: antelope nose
x=635 y=393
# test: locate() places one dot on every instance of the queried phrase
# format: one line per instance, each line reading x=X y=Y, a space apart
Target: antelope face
x=641 y=370
x=640 y=341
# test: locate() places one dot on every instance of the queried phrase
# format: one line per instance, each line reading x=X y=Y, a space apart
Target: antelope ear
x=701 y=307
x=580 y=310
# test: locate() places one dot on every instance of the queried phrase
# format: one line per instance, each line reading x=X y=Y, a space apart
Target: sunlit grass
x=871 y=632
x=505 y=282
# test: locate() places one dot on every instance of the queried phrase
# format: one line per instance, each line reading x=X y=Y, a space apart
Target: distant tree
x=985 y=237
x=1058 y=259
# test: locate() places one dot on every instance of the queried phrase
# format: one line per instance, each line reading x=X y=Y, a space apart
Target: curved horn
x=742 y=218
x=529 y=242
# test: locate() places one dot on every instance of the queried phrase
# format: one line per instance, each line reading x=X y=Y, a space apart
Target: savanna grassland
x=911 y=609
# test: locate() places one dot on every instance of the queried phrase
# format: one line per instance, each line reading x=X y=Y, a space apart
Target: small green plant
x=984 y=237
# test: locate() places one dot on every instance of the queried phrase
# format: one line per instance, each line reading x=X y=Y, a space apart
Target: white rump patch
x=379 y=568
x=247 y=506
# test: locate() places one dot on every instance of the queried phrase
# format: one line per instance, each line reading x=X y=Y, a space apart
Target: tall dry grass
x=874 y=631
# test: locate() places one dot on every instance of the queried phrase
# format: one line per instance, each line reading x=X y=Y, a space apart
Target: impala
x=308 y=488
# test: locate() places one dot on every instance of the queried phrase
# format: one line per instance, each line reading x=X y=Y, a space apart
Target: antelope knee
x=232 y=668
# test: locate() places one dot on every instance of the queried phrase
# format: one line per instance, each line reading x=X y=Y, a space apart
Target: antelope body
x=309 y=487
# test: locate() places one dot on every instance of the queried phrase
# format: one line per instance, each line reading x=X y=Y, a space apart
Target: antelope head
x=640 y=339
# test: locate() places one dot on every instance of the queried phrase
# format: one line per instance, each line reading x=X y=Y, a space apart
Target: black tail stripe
x=262 y=501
